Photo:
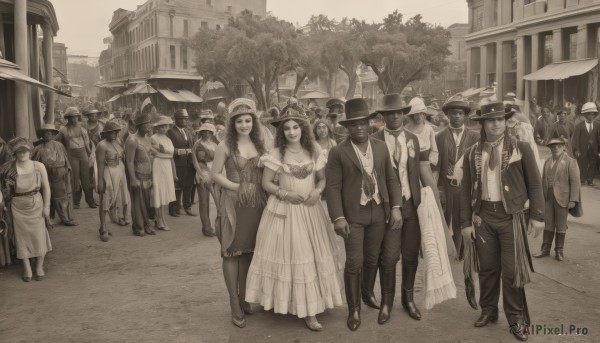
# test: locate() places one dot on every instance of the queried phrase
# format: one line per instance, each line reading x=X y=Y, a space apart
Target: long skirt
x=116 y=196
x=31 y=236
x=163 y=186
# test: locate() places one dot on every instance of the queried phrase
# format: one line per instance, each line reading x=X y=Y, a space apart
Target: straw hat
x=110 y=127
x=163 y=120
x=417 y=106
x=207 y=127
x=71 y=112
x=19 y=143
x=589 y=107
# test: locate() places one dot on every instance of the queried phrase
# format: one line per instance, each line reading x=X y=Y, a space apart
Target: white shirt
x=366 y=160
x=457 y=137
x=390 y=141
x=589 y=126
x=182 y=132
x=492 y=179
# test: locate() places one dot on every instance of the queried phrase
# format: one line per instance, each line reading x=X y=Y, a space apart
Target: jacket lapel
x=348 y=150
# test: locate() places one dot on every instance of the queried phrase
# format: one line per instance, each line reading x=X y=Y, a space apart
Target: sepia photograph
x=313 y=171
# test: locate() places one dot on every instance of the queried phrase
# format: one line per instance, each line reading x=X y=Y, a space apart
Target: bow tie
x=457 y=131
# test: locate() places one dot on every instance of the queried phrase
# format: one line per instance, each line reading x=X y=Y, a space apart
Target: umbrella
x=315 y=95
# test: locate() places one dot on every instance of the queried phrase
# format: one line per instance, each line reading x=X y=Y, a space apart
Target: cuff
x=338 y=218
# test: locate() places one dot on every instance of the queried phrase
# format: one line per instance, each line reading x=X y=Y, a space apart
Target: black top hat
x=491 y=111
x=393 y=103
x=357 y=109
x=456 y=104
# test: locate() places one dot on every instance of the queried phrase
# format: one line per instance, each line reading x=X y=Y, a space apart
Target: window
x=204 y=25
x=548 y=45
x=171 y=26
x=185 y=28
x=572 y=47
x=184 y=57
x=477 y=19
x=172 y=56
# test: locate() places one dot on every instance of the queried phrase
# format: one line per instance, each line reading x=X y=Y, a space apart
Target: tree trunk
x=351 y=86
x=299 y=80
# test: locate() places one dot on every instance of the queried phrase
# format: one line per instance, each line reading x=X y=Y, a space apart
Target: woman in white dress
x=163 y=170
x=296 y=267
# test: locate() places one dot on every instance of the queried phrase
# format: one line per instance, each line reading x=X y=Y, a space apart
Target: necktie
x=183 y=133
x=397 y=148
x=495 y=154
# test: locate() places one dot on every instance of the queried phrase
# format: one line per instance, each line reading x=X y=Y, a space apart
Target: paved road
x=169 y=288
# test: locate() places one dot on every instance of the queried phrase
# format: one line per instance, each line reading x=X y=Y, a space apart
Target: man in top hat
x=139 y=168
x=562 y=191
x=79 y=148
x=585 y=143
x=183 y=141
x=500 y=176
x=364 y=200
x=403 y=150
x=452 y=143
x=336 y=112
x=54 y=156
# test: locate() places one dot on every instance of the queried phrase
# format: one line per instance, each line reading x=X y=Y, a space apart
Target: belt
x=26 y=193
x=492 y=205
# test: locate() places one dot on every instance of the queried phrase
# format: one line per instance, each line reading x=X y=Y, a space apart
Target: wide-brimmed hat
x=206 y=114
x=589 y=107
x=91 y=111
x=110 y=127
x=19 y=143
x=71 y=112
x=163 y=120
x=207 y=127
x=417 y=106
x=45 y=128
x=456 y=104
x=393 y=103
x=492 y=110
x=181 y=113
x=357 y=109
x=241 y=106
x=290 y=112
x=141 y=119
x=556 y=140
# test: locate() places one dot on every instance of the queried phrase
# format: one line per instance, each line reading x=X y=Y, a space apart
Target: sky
x=84 y=23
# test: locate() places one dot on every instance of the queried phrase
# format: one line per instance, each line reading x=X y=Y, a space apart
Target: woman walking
x=111 y=183
x=163 y=170
x=296 y=262
x=241 y=200
x=22 y=181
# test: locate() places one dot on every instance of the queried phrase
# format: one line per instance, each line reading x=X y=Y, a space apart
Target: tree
x=400 y=53
x=250 y=49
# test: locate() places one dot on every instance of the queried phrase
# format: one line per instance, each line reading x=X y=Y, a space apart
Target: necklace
x=294 y=152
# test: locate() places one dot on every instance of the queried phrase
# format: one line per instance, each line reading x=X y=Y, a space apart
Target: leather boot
x=387 y=280
x=368 y=283
x=546 y=245
x=352 y=282
x=408 y=281
x=560 y=243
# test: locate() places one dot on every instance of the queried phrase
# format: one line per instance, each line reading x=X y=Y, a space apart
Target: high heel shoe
x=246 y=307
x=313 y=325
x=240 y=322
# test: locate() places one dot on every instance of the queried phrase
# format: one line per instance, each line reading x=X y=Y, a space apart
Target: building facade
x=59 y=54
x=455 y=71
x=547 y=49
x=24 y=108
x=151 y=43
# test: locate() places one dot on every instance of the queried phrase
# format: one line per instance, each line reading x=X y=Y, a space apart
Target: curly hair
x=307 y=140
x=316 y=124
x=231 y=137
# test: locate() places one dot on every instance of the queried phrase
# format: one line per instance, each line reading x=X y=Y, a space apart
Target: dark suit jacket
x=344 y=180
x=520 y=182
x=412 y=166
x=584 y=141
x=179 y=142
x=567 y=185
x=468 y=138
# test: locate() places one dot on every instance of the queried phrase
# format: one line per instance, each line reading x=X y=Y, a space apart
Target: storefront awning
x=10 y=71
x=180 y=95
x=472 y=91
x=562 y=70
x=140 y=88
x=114 y=98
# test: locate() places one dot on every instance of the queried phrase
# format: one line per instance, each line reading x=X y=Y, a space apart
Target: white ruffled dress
x=296 y=266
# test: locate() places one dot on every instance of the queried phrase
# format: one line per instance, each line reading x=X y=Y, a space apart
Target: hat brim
x=492 y=115
x=40 y=131
x=107 y=131
x=384 y=111
x=142 y=123
x=162 y=124
x=276 y=122
x=464 y=108
x=554 y=142
x=368 y=116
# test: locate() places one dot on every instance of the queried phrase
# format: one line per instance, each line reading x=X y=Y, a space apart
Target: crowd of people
x=286 y=182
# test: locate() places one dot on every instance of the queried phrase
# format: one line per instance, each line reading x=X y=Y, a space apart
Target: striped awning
x=562 y=70
x=182 y=95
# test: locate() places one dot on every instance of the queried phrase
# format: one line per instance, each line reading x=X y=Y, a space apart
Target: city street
x=169 y=288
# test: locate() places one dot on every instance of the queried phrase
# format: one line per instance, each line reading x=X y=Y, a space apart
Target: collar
x=495 y=143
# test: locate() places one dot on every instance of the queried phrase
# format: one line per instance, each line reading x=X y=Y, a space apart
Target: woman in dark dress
x=241 y=200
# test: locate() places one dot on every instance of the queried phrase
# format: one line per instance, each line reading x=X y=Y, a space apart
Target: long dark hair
x=307 y=140
x=231 y=137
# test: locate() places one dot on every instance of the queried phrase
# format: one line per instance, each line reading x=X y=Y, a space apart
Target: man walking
x=585 y=143
x=363 y=196
x=500 y=177
x=183 y=142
